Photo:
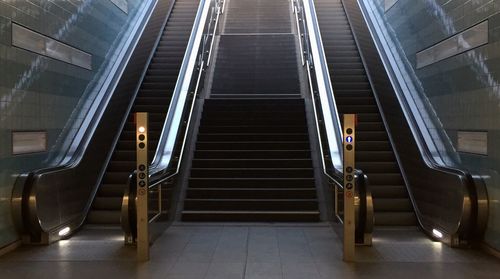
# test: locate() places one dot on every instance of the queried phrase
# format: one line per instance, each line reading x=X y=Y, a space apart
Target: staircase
x=353 y=94
x=252 y=163
x=252 y=160
x=154 y=98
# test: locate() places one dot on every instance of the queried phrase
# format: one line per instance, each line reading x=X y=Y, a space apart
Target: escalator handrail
x=474 y=215
x=24 y=200
x=317 y=61
x=172 y=125
x=164 y=167
x=318 y=74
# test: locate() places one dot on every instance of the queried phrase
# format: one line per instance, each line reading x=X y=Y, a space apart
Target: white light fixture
x=437 y=233
x=64 y=231
x=142 y=129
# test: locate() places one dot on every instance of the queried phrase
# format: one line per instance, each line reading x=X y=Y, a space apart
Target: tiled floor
x=248 y=251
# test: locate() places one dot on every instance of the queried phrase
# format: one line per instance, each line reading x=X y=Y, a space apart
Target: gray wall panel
x=463 y=89
x=41 y=93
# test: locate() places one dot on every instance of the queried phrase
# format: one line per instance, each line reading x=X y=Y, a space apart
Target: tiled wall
x=39 y=93
x=463 y=90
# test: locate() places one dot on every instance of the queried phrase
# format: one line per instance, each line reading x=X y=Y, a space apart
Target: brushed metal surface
x=30 y=40
x=25 y=142
x=464 y=41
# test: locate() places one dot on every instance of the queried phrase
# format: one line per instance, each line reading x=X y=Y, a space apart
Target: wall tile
x=40 y=93
x=463 y=90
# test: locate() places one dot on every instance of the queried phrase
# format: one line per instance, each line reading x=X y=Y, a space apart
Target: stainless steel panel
x=30 y=40
x=473 y=142
x=471 y=38
x=29 y=142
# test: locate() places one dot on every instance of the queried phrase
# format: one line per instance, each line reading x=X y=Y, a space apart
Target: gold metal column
x=349 y=210
x=142 y=186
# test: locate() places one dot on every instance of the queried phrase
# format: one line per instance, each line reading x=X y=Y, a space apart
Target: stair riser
x=253 y=154
x=227 y=217
x=248 y=173
x=282 y=137
x=260 y=205
x=252 y=146
x=249 y=126
x=251 y=183
x=269 y=163
x=251 y=194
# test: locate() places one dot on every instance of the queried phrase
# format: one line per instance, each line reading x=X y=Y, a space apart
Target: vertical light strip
x=30 y=40
x=471 y=38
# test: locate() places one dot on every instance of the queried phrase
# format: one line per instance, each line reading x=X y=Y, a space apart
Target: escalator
x=353 y=93
x=153 y=97
x=252 y=159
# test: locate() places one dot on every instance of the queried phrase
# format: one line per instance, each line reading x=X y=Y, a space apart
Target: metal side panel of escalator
x=154 y=98
x=91 y=186
x=403 y=177
x=353 y=94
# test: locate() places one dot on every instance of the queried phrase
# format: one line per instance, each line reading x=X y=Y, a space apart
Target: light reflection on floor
x=248 y=251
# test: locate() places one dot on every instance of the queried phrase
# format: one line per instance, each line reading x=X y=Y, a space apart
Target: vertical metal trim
x=142 y=186
x=349 y=190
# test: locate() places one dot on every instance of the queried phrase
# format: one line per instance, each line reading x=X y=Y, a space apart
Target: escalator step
x=252 y=163
x=254 y=137
x=250 y=216
x=252 y=172
x=375 y=156
x=353 y=94
x=373 y=146
x=253 y=145
x=371 y=136
x=392 y=204
x=251 y=154
x=378 y=167
x=251 y=182
x=386 y=179
x=252 y=205
x=153 y=97
x=251 y=193
x=389 y=191
x=104 y=217
x=111 y=190
x=395 y=218
x=107 y=203
x=251 y=129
